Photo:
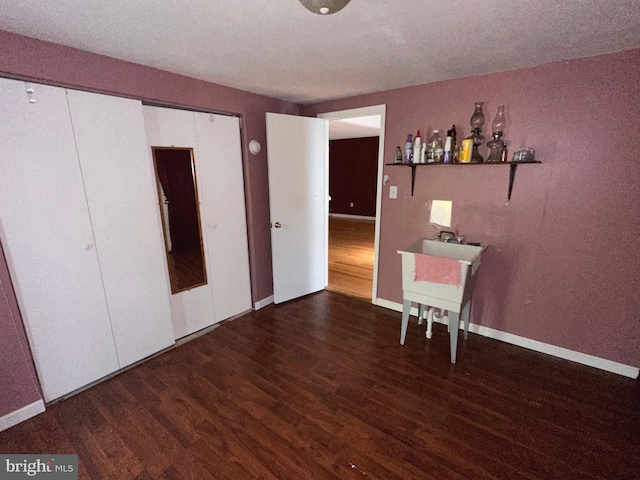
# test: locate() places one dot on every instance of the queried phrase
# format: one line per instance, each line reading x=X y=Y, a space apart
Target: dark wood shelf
x=442 y=164
x=512 y=172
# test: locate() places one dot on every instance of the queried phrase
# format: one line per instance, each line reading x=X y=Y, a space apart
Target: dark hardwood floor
x=320 y=387
x=351 y=252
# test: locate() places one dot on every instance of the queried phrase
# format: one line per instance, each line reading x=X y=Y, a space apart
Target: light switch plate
x=393 y=191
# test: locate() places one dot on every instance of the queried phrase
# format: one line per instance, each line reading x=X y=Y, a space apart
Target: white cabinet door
x=120 y=187
x=191 y=310
x=221 y=183
x=48 y=240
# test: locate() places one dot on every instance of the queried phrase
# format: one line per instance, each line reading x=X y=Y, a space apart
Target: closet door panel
x=191 y=310
x=169 y=127
x=222 y=183
x=120 y=187
x=48 y=240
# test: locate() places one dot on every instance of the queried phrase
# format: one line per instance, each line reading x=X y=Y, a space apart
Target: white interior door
x=120 y=186
x=48 y=239
x=298 y=197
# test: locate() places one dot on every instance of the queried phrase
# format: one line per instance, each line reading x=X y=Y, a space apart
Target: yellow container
x=465 y=151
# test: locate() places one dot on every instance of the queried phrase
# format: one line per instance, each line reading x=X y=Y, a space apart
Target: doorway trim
x=363 y=112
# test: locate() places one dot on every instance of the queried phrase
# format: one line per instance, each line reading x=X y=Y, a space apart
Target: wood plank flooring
x=351 y=253
x=320 y=387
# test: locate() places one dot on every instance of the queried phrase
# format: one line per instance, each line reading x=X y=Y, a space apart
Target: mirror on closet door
x=178 y=195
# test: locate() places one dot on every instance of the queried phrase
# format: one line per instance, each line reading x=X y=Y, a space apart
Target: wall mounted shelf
x=413 y=166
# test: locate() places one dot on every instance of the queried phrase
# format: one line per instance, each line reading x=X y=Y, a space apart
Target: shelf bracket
x=413 y=178
x=512 y=178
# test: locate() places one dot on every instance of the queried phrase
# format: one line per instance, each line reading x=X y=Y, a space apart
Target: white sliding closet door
x=46 y=232
x=120 y=187
x=215 y=140
x=191 y=310
x=222 y=185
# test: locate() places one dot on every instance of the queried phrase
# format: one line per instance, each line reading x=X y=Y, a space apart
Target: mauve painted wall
x=353 y=169
x=563 y=265
x=18 y=381
x=28 y=58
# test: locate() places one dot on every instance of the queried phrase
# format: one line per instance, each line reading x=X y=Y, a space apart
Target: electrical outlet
x=393 y=192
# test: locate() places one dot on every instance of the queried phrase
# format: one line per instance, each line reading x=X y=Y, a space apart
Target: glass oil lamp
x=477 y=121
x=497 y=145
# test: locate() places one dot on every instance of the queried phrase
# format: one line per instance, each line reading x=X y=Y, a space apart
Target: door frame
x=363 y=112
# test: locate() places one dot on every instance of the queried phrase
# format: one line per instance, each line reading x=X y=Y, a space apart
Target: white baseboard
x=352 y=217
x=572 y=355
x=25 y=413
x=263 y=303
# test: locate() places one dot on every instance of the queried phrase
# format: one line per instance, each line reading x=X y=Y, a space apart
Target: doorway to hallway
x=353 y=243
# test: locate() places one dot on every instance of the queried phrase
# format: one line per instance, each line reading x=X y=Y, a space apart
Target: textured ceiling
x=278 y=48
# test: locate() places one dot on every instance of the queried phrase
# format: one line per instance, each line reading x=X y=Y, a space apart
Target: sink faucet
x=449 y=236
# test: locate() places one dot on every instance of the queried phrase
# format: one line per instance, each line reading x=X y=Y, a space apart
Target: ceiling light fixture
x=324 y=7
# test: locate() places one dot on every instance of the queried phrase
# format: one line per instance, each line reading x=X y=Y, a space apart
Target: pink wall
x=18 y=381
x=24 y=57
x=562 y=268
x=563 y=264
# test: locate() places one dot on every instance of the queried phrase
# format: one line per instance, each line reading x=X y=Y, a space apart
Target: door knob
x=278 y=225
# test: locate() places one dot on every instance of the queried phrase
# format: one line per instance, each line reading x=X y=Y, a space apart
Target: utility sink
x=468 y=257
x=456 y=261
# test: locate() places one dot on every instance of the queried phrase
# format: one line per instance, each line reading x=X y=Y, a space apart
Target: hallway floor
x=351 y=243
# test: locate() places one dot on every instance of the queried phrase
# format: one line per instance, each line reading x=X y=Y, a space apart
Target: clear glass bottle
x=398 y=155
x=435 y=148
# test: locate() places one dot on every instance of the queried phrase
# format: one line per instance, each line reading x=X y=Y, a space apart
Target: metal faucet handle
x=447 y=237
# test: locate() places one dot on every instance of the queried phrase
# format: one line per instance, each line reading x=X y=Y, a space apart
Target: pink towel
x=434 y=269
